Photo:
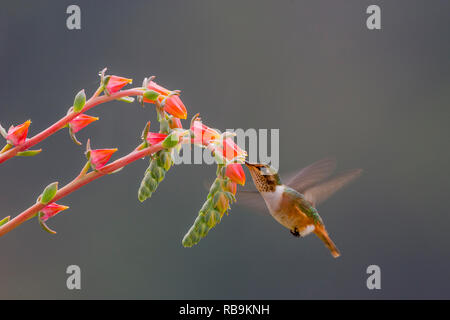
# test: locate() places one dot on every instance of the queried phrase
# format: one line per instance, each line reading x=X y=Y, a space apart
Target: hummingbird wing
x=322 y=191
x=312 y=174
x=251 y=199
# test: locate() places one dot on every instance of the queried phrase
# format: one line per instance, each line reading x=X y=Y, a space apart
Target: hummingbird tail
x=323 y=235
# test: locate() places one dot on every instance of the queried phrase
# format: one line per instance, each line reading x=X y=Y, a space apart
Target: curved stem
x=77 y=183
x=92 y=102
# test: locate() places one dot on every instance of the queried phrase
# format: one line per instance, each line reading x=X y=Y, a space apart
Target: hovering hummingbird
x=293 y=204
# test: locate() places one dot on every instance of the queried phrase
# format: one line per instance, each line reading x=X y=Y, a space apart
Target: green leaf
x=145 y=131
x=73 y=137
x=43 y=225
x=5 y=220
x=28 y=153
x=126 y=99
x=79 y=101
x=49 y=193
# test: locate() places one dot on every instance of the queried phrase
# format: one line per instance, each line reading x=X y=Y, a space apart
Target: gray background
x=378 y=100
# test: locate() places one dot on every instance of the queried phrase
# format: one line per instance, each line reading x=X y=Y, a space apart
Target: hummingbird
x=293 y=204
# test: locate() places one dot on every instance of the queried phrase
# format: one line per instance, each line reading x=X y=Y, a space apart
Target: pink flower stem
x=78 y=182
x=92 y=102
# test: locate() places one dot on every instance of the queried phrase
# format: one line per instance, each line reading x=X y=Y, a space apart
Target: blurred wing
x=252 y=200
x=312 y=174
x=323 y=191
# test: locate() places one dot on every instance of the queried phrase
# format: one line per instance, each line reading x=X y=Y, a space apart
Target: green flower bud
x=171 y=141
x=147 y=187
x=221 y=201
x=165 y=159
x=212 y=218
x=216 y=186
x=164 y=126
x=158 y=174
x=208 y=205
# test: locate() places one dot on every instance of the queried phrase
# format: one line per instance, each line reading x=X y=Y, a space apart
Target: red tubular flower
x=175 y=107
x=175 y=123
x=81 y=121
x=51 y=210
x=156 y=87
x=154 y=138
x=116 y=83
x=203 y=134
x=100 y=157
x=17 y=135
x=235 y=172
x=230 y=150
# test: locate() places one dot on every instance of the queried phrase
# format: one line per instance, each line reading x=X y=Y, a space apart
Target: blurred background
x=378 y=100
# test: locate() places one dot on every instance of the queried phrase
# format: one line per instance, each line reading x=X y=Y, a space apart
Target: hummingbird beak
x=248 y=164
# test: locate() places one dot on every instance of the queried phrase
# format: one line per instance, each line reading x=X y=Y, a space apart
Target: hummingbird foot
x=295 y=232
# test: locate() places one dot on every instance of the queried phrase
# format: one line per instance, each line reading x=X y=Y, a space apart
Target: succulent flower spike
x=115 y=83
x=154 y=137
x=218 y=201
x=80 y=122
x=51 y=210
x=203 y=134
x=18 y=135
x=235 y=173
x=99 y=157
x=174 y=106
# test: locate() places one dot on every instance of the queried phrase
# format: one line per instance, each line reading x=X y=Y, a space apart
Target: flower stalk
x=76 y=184
x=63 y=122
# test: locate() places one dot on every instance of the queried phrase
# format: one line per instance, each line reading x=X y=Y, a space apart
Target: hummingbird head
x=264 y=176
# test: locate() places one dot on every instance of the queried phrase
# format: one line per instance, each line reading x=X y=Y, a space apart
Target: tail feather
x=323 y=235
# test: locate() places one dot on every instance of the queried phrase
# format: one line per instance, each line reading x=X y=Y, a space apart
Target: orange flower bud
x=51 y=210
x=221 y=202
x=116 y=83
x=100 y=157
x=230 y=186
x=235 y=173
x=81 y=121
x=17 y=135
